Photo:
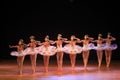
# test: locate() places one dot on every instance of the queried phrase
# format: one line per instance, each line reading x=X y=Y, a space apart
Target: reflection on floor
x=8 y=71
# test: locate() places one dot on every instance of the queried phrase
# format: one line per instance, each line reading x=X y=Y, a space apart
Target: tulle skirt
x=47 y=51
x=16 y=53
x=72 y=49
x=110 y=47
x=60 y=49
x=100 y=47
x=30 y=51
x=88 y=47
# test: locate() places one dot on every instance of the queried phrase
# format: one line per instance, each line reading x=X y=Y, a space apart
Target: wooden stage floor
x=8 y=71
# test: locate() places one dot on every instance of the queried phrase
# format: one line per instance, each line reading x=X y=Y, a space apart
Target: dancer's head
x=32 y=38
x=59 y=36
x=86 y=36
x=72 y=37
x=47 y=38
x=99 y=36
x=20 y=41
x=109 y=35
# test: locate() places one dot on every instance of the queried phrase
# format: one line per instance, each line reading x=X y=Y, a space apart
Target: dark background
x=20 y=19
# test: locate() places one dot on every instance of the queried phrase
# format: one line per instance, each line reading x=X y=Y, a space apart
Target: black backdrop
x=21 y=19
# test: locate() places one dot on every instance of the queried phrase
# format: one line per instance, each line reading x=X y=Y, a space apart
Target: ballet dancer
x=108 y=48
x=99 y=49
x=20 y=54
x=32 y=51
x=87 y=46
x=60 y=52
x=47 y=50
x=72 y=49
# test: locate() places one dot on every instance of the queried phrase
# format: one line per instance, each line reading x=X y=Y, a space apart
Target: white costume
x=110 y=46
x=16 y=53
x=30 y=51
x=60 y=48
x=48 y=51
x=99 y=47
x=72 y=49
x=88 y=47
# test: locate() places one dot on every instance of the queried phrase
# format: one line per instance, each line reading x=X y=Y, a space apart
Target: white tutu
x=88 y=47
x=110 y=47
x=60 y=49
x=30 y=51
x=99 y=47
x=49 y=51
x=72 y=49
x=16 y=53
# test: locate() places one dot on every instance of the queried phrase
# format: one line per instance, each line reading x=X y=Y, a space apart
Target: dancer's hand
x=10 y=46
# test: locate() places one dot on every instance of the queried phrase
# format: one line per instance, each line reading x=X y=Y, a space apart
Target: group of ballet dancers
x=50 y=47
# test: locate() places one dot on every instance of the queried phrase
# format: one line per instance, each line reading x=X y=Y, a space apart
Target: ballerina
x=72 y=49
x=60 y=52
x=108 y=48
x=32 y=51
x=87 y=46
x=20 y=54
x=99 y=49
x=47 y=50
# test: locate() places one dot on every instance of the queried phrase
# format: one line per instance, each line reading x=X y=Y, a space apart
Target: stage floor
x=8 y=71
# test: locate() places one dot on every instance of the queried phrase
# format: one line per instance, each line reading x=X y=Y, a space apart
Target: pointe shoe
x=99 y=66
x=60 y=69
x=46 y=71
x=21 y=73
x=73 y=68
x=85 y=67
x=107 y=66
x=33 y=72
